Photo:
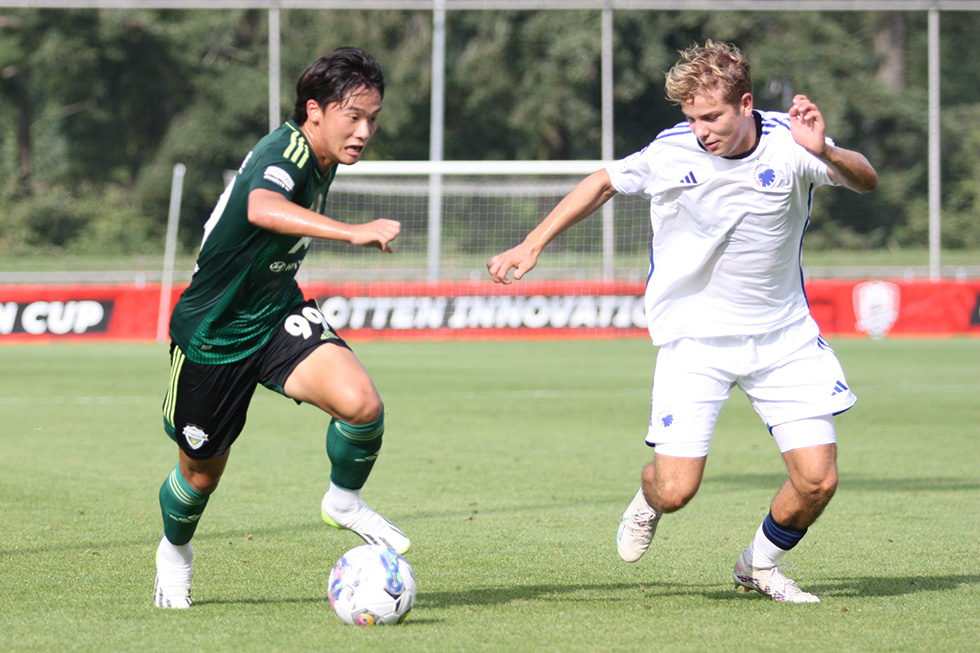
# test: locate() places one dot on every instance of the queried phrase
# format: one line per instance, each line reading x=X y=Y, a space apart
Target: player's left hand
x=377 y=233
x=806 y=124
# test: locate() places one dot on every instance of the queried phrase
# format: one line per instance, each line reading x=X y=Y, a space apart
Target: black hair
x=333 y=77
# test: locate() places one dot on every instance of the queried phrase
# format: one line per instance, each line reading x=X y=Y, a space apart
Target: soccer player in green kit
x=244 y=321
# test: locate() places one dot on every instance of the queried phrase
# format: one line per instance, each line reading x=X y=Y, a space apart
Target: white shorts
x=789 y=375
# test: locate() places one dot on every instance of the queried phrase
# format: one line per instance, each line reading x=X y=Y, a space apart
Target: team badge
x=665 y=417
x=195 y=436
x=763 y=175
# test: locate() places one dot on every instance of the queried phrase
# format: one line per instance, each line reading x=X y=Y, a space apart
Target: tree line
x=98 y=105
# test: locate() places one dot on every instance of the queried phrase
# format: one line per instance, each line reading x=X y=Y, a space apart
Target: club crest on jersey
x=195 y=436
x=763 y=175
x=665 y=417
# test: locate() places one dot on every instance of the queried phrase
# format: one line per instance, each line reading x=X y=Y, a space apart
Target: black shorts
x=205 y=407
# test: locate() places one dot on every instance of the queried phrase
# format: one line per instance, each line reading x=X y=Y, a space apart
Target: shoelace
x=640 y=522
x=789 y=585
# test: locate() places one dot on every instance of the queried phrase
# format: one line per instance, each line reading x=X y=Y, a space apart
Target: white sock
x=762 y=553
x=175 y=554
x=342 y=499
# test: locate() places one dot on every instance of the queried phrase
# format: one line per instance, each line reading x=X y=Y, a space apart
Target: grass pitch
x=509 y=464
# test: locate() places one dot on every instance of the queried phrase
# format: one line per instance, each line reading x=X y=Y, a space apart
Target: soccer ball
x=371 y=586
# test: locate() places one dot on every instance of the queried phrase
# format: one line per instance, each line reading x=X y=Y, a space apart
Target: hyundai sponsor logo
x=282 y=266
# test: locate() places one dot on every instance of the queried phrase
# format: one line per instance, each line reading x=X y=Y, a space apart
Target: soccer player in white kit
x=730 y=192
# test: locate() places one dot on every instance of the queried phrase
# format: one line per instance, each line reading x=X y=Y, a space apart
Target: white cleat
x=369 y=525
x=172 y=588
x=636 y=529
x=770 y=582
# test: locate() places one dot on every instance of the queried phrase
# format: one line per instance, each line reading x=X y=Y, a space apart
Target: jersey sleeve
x=816 y=169
x=284 y=167
x=632 y=175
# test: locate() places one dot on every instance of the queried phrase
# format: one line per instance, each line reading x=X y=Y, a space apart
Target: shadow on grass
x=852 y=482
x=845 y=587
x=891 y=586
x=413 y=619
x=485 y=596
x=475 y=598
x=307 y=600
x=518 y=593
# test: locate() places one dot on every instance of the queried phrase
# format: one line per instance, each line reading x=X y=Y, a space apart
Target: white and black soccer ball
x=371 y=586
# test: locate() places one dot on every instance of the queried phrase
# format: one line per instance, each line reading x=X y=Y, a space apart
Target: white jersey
x=727 y=232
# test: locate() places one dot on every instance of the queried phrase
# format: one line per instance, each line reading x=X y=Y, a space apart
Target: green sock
x=352 y=451
x=181 y=506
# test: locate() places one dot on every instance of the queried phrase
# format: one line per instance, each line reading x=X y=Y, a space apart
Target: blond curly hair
x=704 y=68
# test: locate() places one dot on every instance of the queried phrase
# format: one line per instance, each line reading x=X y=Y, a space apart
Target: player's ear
x=313 y=110
x=745 y=104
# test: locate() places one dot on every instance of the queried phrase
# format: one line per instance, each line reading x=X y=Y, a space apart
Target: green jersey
x=244 y=283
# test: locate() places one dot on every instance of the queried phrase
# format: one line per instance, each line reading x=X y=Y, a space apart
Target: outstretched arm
x=274 y=212
x=591 y=193
x=848 y=168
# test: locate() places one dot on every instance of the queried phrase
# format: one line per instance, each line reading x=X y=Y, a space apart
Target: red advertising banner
x=42 y=313
x=483 y=310
x=879 y=308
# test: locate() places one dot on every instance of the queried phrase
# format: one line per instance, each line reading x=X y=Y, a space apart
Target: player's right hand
x=521 y=259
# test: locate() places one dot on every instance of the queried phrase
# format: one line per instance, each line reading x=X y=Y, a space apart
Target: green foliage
x=402 y=43
x=511 y=493
x=109 y=100
x=504 y=98
x=106 y=221
x=962 y=128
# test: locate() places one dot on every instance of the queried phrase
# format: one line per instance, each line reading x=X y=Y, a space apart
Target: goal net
x=455 y=216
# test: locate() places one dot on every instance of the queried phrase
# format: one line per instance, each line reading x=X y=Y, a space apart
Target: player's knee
x=665 y=495
x=202 y=482
x=361 y=407
x=827 y=487
x=818 y=490
x=669 y=498
x=203 y=475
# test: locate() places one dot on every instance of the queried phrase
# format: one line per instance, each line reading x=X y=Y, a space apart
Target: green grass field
x=509 y=464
